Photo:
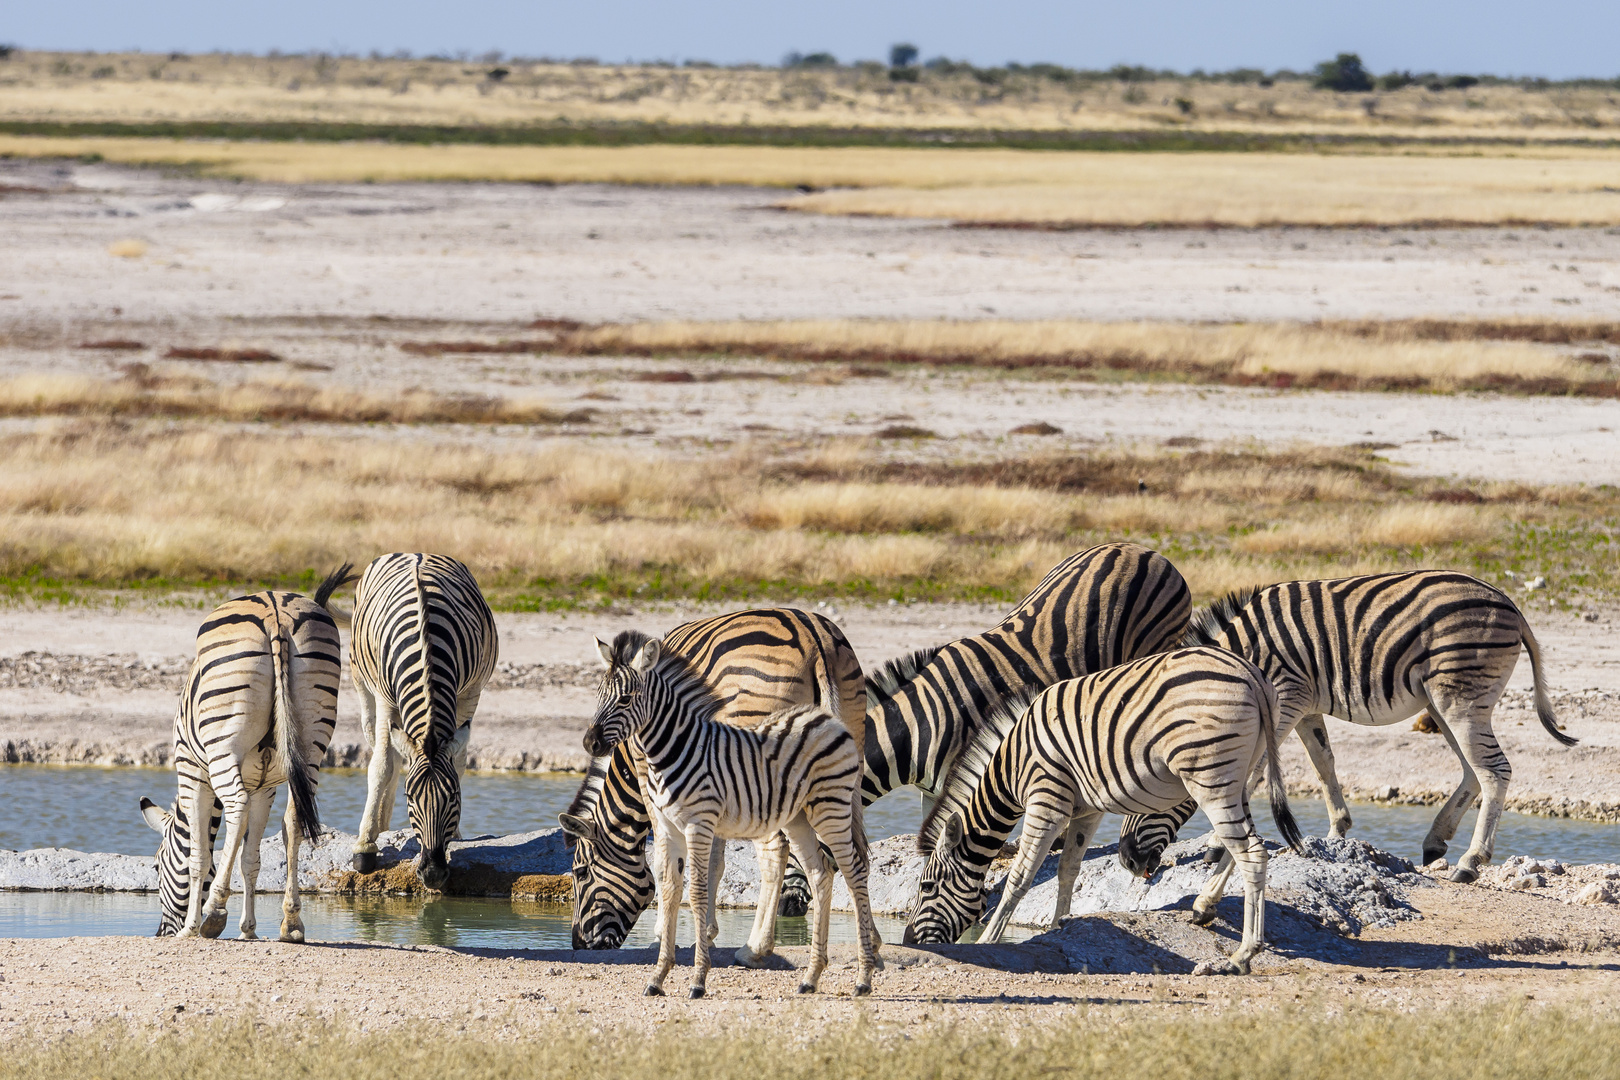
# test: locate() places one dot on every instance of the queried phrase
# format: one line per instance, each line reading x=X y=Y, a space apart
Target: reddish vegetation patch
x=1455 y=495
x=114 y=344
x=906 y=431
x=665 y=376
x=562 y=325
x=235 y=356
x=1541 y=333
x=1038 y=428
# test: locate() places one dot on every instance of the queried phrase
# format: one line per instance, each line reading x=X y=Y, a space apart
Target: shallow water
x=94 y=809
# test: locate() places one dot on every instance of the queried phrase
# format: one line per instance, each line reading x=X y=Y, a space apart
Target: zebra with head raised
x=258 y=711
x=1098 y=607
x=1378 y=650
x=1136 y=738
x=798 y=772
x=424 y=645
x=757 y=662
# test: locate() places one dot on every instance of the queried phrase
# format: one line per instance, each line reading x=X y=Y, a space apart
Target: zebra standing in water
x=798 y=772
x=424 y=646
x=1378 y=650
x=757 y=662
x=1097 y=608
x=1135 y=738
x=258 y=711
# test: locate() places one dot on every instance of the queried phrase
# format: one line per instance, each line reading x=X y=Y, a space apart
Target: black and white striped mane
x=674 y=670
x=969 y=768
x=590 y=792
x=896 y=674
x=1209 y=623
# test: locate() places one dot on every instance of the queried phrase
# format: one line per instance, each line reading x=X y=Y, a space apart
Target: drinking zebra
x=1098 y=607
x=1137 y=738
x=1378 y=650
x=424 y=646
x=258 y=710
x=798 y=772
x=757 y=662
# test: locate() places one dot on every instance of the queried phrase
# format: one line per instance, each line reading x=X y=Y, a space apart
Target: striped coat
x=257 y=712
x=1137 y=738
x=1378 y=650
x=424 y=646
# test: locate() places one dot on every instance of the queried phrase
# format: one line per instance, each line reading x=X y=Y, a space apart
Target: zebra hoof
x=1464 y=876
x=365 y=862
x=747 y=957
x=247 y=935
x=1203 y=917
x=294 y=936
x=696 y=992
x=212 y=925
x=1212 y=855
x=654 y=991
x=807 y=988
x=1220 y=967
x=862 y=990
x=1433 y=854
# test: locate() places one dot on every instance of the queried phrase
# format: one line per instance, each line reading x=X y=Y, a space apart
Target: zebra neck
x=672 y=728
x=989 y=819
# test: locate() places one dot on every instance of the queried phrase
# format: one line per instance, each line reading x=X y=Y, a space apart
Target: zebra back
x=1097 y=608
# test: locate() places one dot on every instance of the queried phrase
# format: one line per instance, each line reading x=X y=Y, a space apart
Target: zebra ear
x=580 y=828
x=647 y=656
x=605 y=650
x=952 y=835
x=155 y=815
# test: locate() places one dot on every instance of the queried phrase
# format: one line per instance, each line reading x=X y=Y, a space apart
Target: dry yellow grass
x=141 y=88
x=142 y=393
x=1250 y=350
x=1563 y=187
x=115 y=504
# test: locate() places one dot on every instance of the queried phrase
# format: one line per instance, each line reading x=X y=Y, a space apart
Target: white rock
x=1597 y=893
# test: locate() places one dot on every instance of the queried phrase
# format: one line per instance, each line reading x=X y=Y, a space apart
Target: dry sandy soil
x=1473 y=945
x=101 y=687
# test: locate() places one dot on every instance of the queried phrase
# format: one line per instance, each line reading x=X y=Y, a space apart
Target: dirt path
x=1473 y=945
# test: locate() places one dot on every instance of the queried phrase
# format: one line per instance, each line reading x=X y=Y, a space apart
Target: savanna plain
x=628 y=384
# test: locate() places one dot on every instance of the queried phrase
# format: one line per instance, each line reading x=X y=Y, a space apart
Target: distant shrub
x=1345 y=73
x=1134 y=95
x=1396 y=80
x=1128 y=73
x=497 y=74
x=1185 y=105
x=811 y=60
x=902 y=55
x=905 y=74
x=6 y=49
x=1461 y=82
x=943 y=65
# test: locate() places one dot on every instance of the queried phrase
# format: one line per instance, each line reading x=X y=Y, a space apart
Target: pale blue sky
x=1554 y=38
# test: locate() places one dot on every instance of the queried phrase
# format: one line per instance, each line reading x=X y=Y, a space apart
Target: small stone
x=275 y=997
x=1530 y=881
x=1597 y=893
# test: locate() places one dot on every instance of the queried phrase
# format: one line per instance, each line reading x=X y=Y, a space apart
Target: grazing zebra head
x=174 y=861
x=620 y=703
x=949 y=897
x=1144 y=838
x=613 y=883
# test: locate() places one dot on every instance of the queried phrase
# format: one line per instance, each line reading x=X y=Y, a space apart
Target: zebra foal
x=1378 y=650
x=798 y=772
x=757 y=662
x=258 y=711
x=424 y=646
x=1136 y=738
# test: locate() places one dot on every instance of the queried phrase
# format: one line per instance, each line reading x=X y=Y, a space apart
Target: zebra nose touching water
x=257 y=711
x=424 y=646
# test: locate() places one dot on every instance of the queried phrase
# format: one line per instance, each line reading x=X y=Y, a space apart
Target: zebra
x=1377 y=650
x=1098 y=607
x=1136 y=738
x=424 y=646
x=798 y=772
x=258 y=710
x=758 y=662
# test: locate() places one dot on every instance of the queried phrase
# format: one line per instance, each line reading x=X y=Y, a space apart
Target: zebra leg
x=808 y=847
x=374 y=724
x=795 y=891
x=1043 y=824
x=1491 y=769
x=841 y=835
x=1312 y=732
x=213 y=912
x=669 y=860
x=202 y=851
x=1235 y=827
x=292 y=923
x=700 y=844
x=1253 y=859
x=772 y=853
x=1450 y=815
x=1082 y=827
x=258 y=814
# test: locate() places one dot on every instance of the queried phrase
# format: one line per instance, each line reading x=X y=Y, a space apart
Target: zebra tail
x=334 y=581
x=1280 y=813
x=299 y=788
x=1544 y=709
